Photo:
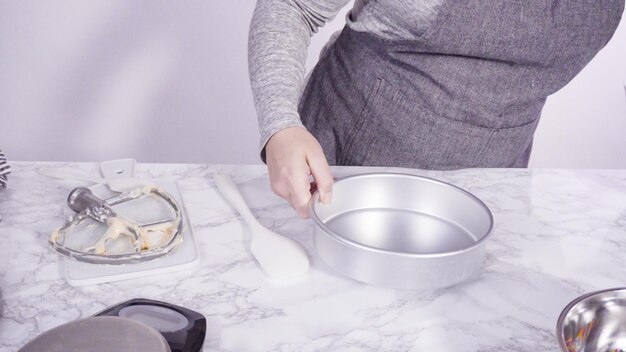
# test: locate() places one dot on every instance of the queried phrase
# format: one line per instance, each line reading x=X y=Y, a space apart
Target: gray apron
x=468 y=93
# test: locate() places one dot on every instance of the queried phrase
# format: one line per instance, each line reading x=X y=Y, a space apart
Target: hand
x=292 y=155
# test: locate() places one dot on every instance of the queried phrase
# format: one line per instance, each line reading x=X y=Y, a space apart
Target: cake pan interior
x=401 y=213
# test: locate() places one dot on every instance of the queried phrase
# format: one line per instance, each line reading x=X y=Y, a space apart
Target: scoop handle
x=229 y=190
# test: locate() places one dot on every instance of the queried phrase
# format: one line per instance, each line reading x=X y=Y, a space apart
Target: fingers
x=288 y=168
x=292 y=154
x=323 y=177
x=292 y=184
x=300 y=195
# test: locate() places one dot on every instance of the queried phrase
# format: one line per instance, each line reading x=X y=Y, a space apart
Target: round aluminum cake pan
x=401 y=231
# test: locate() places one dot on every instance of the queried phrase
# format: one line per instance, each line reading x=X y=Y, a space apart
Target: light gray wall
x=160 y=81
x=167 y=81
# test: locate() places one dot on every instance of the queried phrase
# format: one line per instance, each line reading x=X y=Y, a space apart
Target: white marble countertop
x=558 y=234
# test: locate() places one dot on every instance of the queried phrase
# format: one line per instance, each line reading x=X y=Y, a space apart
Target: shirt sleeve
x=278 y=40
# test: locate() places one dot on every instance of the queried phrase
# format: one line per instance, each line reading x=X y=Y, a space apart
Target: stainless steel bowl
x=401 y=231
x=594 y=322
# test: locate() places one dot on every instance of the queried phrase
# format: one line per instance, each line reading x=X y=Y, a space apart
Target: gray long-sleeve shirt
x=280 y=35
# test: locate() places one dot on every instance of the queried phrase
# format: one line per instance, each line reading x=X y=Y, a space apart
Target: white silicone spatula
x=280 y=257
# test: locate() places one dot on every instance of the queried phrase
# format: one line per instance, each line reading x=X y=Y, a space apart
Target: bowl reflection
x=595 y=322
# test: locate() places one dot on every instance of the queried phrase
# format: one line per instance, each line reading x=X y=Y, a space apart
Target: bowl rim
x=572 y=304
x=319 y=224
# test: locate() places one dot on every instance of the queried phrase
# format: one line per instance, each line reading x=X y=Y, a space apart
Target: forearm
x=279 y=36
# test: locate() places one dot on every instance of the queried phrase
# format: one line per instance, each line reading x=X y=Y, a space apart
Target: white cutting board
x=182 y=257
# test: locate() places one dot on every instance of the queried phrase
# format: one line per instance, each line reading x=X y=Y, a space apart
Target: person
x=431 y=84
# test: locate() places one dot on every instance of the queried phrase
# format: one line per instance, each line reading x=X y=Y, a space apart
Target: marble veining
x=558 y=234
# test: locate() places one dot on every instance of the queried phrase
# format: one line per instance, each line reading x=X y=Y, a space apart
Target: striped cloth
x=5 y=169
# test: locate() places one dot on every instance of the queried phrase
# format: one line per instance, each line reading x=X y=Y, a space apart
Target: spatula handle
x=68 y=174
x=229 y=190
